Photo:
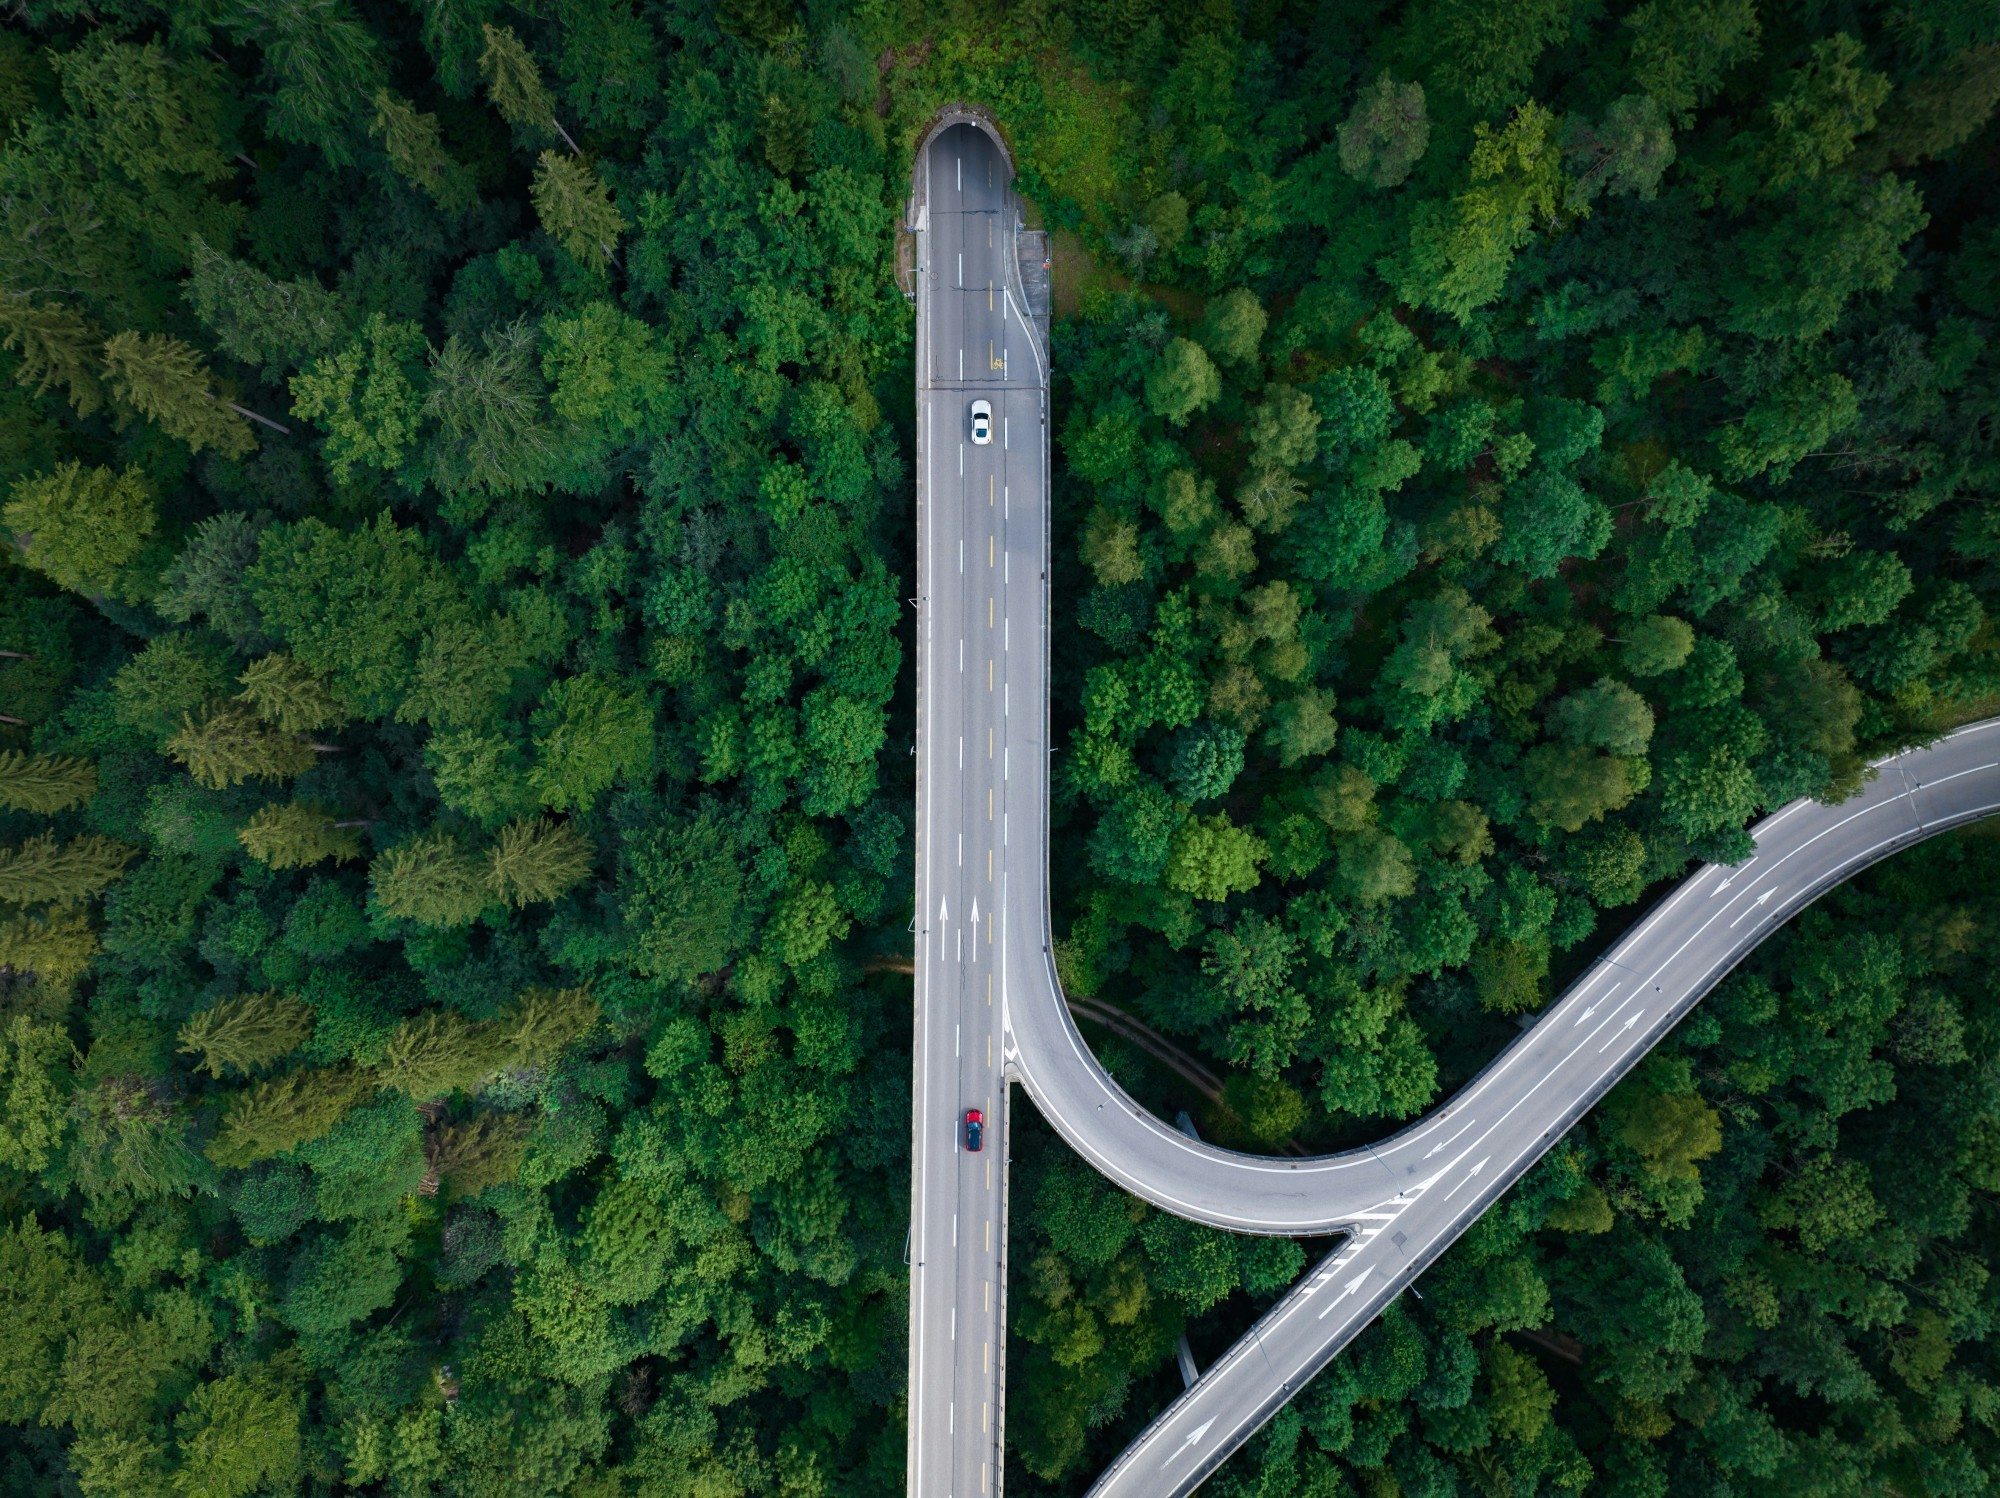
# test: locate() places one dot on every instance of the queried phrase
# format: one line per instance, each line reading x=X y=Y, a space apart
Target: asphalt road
x=1405 y=1200
x=989 y=1009
x=982 y=748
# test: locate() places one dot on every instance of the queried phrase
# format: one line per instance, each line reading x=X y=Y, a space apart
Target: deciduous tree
x=1182 y=381
x=1386 y=133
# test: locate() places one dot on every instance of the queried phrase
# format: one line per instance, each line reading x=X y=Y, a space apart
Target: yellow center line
x=989 y=803
x=989 y=865
x=989 y=676
x=986 y=1296
x=989 y=551
x=989 y=296
x=989 y=613
x=989 y=743
x=989 y=488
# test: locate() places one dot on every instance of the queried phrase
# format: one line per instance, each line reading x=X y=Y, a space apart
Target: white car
x=982 y=422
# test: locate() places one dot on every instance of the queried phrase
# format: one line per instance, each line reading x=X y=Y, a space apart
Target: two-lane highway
x=981 y=516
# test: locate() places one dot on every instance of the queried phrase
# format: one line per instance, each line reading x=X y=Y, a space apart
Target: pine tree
x=481 y=1152
x=55 y=951
x=442 y=1052
x=44 y=872
x=546 y=1022
x=288 y=694
x=575 y=208
x=298 y=834
x=44 y=783
x=245 y=1032
x=536 y=860
x=416 y=150
x=165 y=381
x=432 y=879
x=257 y=319
x=80 y=527
x=231 y=744
x=515 y=84
x=57 y=347
x=285 y=1112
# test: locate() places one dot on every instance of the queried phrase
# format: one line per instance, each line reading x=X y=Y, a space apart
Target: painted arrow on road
x=1469 y=1175
x=1619 y=1033
x=1730 y=878
x=1756 y=905
x=1352 y=1285
x=1187 y=1445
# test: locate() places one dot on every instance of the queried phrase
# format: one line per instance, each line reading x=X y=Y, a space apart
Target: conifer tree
x=298 y=834
x=42 y=871
x=480 y=1152
x=415 y=148
x=285 y=1112
x=79 y=527
x=441 y=1052
x=546 y=1022
x=575 y=207
x=432 y=879
x=257 y=319
x=57 y=347
x=288 y=694
x=230 y=744
x=246 y=1031
x=55 y=950
x=44 y=783
x=536 y=860
x=514 y=83
x=165 y=381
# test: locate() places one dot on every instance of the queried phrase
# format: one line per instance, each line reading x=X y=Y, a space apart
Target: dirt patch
x=1076 y=271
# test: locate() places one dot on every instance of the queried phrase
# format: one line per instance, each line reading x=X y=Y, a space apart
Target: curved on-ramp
x=1651 y=976
x=1447 y=1169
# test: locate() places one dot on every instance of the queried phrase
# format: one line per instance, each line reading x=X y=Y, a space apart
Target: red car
x=975 y=1129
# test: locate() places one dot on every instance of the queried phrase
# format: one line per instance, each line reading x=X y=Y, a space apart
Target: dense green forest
x=454 y=723
x=1763 y=1267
